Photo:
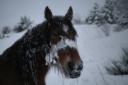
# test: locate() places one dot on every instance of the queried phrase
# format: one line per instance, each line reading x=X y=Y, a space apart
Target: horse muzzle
x=75 y=69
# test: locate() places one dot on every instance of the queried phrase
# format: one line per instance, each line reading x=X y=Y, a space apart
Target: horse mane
x=28 y=53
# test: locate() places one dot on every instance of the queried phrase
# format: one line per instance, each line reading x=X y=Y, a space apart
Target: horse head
x=63 y=43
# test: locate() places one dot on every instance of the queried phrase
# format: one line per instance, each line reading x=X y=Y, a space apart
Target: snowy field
x=96 y=50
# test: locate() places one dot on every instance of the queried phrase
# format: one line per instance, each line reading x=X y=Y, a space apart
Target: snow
x=62 y=44
x=96 y=51
x=7 y=42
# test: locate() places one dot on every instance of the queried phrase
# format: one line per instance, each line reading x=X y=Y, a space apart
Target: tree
x=108 y=11
x=6 y=30
x=102 y=15
x=122 y=12
x=25 y=23
x=94 y=15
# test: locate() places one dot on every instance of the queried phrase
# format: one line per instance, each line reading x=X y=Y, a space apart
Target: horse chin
x=75 y=75
x=72 y=75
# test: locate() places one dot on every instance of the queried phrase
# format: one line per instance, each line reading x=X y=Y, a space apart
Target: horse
x=50 y=43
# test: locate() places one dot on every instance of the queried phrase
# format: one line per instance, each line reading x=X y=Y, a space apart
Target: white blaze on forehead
x=60 y=45
x=71 y=43
x=65 y=28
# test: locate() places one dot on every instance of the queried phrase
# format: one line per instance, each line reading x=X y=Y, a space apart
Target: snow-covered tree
x=6 y=30
x=108 y=11
x=101 y=15
x=122 y=11
x=25 y=23
x=94 y=15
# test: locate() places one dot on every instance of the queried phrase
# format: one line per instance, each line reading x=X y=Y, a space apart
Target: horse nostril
x=80 y=67
x=71 y=65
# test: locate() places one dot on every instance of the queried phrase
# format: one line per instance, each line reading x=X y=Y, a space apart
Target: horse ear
x=69 y=14
x=48 y=13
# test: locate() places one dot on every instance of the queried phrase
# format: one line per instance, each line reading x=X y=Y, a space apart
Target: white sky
x=12 y=10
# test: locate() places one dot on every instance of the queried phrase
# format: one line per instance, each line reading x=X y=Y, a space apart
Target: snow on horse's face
x=63 y=44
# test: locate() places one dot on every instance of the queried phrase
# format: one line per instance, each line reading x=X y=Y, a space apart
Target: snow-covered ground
x=96 y=51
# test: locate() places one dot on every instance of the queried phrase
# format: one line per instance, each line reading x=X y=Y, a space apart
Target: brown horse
x=51 y=43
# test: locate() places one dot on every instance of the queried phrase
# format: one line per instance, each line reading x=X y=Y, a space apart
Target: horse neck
x=36 y=49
